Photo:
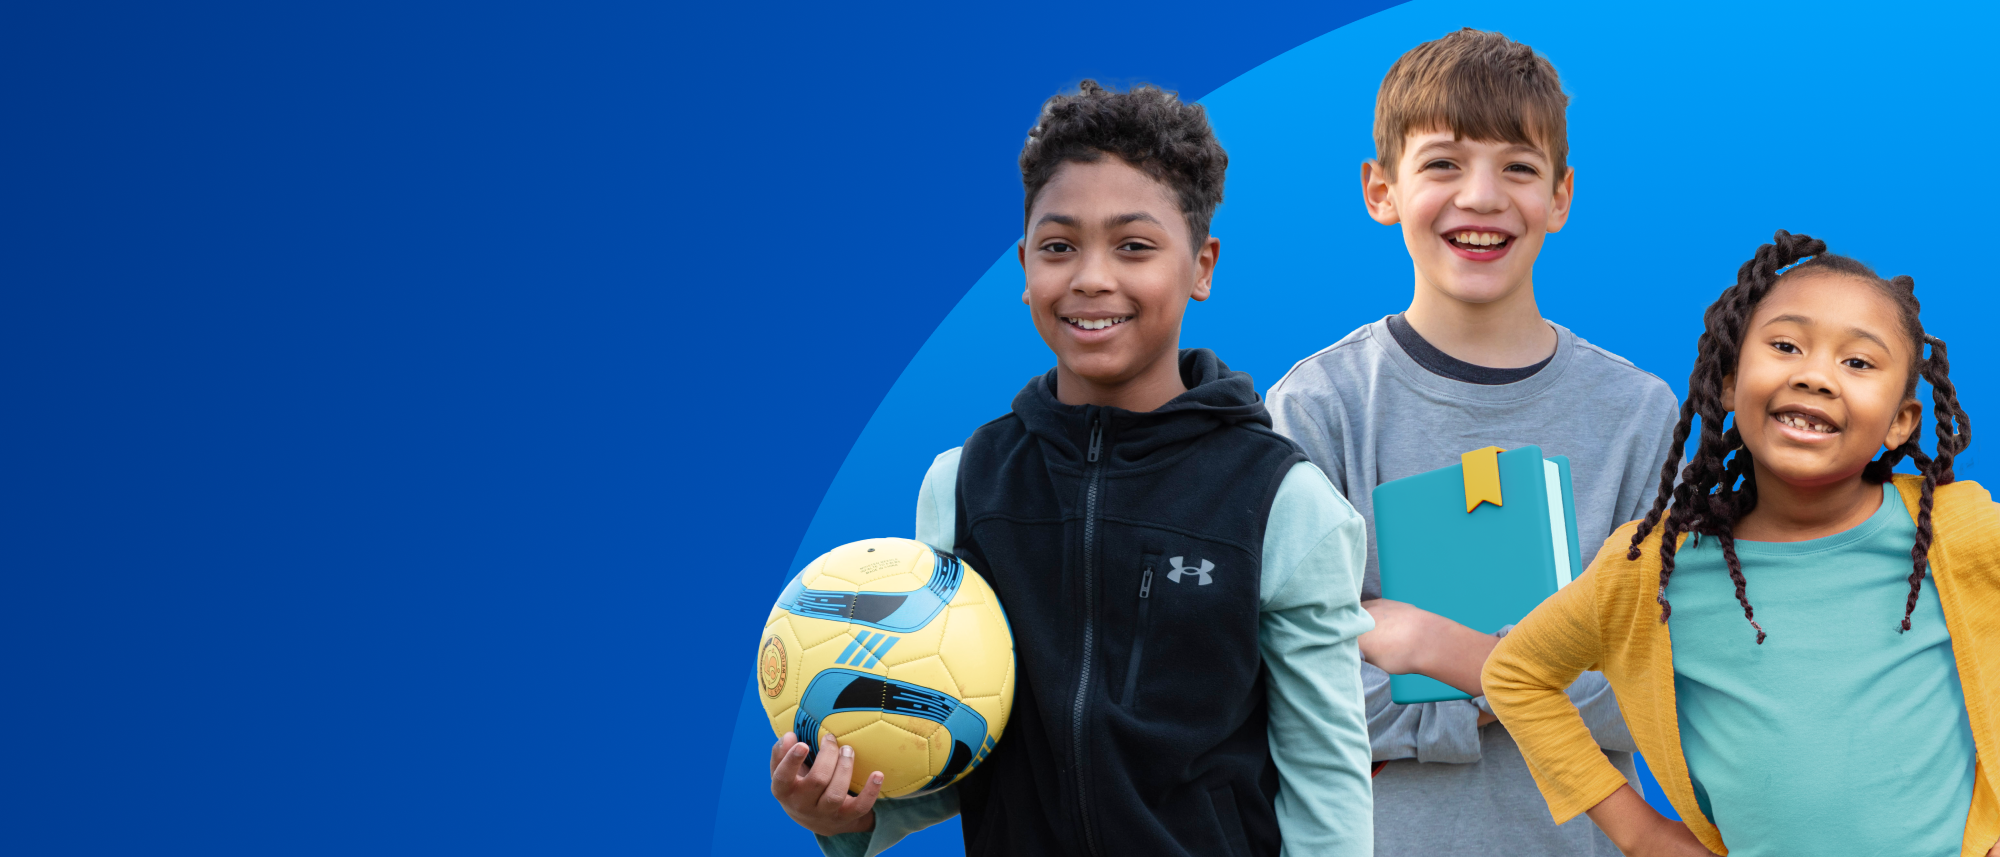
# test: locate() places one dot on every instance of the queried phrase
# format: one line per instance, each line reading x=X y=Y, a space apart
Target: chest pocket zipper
x=1138 y=636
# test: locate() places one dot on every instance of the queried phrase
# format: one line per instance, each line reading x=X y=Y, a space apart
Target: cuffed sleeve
x=894 y=819
x=1314 y=551
x=1445 y=732
x=1525 y=678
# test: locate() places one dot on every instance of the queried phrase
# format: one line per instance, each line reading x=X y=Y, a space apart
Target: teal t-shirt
x=1838 y=735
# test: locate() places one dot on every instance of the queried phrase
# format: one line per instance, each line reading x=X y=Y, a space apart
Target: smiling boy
x=1182 y=585
x=1472 y=164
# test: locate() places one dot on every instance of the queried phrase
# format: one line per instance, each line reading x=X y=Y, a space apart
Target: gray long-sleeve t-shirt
x=1367 y=412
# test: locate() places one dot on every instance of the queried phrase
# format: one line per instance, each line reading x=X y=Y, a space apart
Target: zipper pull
x=1146 y=583
x=1096 y=438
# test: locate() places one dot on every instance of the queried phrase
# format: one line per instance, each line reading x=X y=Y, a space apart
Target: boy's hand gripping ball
x=900 y=652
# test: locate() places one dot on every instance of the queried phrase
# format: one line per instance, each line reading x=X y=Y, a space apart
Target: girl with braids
x=1805 y=646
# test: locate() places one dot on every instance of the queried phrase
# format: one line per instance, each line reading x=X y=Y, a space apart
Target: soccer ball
x=901 y=652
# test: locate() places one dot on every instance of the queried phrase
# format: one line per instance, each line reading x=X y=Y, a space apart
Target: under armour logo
x=1179 y=570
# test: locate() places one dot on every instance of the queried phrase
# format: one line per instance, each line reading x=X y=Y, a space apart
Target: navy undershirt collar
x=1440 y=363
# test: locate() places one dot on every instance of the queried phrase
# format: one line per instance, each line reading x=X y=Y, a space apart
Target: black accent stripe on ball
x=836 y=690
x=895 y=612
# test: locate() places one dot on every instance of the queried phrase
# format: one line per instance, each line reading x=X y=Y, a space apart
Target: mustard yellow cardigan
x=1608 y=620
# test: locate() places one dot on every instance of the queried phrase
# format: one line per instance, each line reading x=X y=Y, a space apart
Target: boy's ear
x=1905 y=424
x=1021 y=254
x=1565 y=190
x=1375 y=194
x=1204 y=268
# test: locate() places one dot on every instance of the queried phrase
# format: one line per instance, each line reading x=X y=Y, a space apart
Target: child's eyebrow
x=1447 y=144
x=1131 y=217
x=1795 y=318
x=1855 y=331
x=1453 y=145
x=1111 y=222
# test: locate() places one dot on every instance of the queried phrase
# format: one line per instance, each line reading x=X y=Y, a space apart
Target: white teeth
x=1097 y=323
x=1805 y=423
x=1479 y=239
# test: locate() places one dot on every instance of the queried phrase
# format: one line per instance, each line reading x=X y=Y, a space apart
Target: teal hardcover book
x=1481 y=543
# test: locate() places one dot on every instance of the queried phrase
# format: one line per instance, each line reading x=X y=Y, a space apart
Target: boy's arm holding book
x=1409 y=639
x=1309 y=410
x=1445 y=732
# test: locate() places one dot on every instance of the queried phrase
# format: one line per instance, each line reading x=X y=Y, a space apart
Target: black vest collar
x=1217 y=396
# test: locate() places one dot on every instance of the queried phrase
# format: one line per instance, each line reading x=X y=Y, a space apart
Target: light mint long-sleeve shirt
x=1862 y=726
x=1315 y=548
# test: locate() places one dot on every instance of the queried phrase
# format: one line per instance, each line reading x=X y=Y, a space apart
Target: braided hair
x=1718 y=486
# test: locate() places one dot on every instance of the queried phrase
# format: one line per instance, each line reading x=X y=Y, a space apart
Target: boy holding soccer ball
x=1182 y=585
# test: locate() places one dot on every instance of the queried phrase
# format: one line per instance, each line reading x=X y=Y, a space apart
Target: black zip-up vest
x=1125 y=549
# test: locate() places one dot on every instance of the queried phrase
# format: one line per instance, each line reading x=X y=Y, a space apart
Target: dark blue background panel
x=414 y=408
x=410 y=404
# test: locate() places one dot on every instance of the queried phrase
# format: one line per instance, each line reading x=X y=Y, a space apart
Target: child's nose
x=1094 y=275
x=1814 y=379
x=1482 y=191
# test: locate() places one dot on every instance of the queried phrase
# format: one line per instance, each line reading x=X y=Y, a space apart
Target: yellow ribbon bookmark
x=1482 y=476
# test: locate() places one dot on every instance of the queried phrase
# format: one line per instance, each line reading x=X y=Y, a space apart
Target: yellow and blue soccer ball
x=901 y=652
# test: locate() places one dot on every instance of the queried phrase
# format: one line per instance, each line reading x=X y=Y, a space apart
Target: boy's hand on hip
x=817 y=797
x=1409 y=639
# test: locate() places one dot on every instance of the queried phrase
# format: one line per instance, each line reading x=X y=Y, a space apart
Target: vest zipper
x=1138 y=637
x=1089 y=634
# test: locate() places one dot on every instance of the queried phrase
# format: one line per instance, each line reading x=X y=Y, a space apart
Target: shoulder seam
x=1592 y=348
x=1351 y=340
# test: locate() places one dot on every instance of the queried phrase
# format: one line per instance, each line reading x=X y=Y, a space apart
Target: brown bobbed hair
x=1481 y=86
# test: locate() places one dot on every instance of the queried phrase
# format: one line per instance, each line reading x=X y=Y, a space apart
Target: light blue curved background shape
x=1695 y=130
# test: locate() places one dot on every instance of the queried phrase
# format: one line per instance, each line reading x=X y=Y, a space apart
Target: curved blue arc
x=895 y=612
x=1294 y=129
x=830 y=693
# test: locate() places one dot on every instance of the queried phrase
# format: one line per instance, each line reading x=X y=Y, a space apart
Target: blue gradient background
x=412 y=409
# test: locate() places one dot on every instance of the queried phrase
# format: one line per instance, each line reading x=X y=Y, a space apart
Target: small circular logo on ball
x=771 y=667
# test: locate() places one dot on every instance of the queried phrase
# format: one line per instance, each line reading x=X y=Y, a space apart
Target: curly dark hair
x=1147 y=127
x=1718 y=486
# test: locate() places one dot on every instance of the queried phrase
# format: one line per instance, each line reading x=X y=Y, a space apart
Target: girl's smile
x=1811 y=361
x=1825 y=363
x=1805 y=425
